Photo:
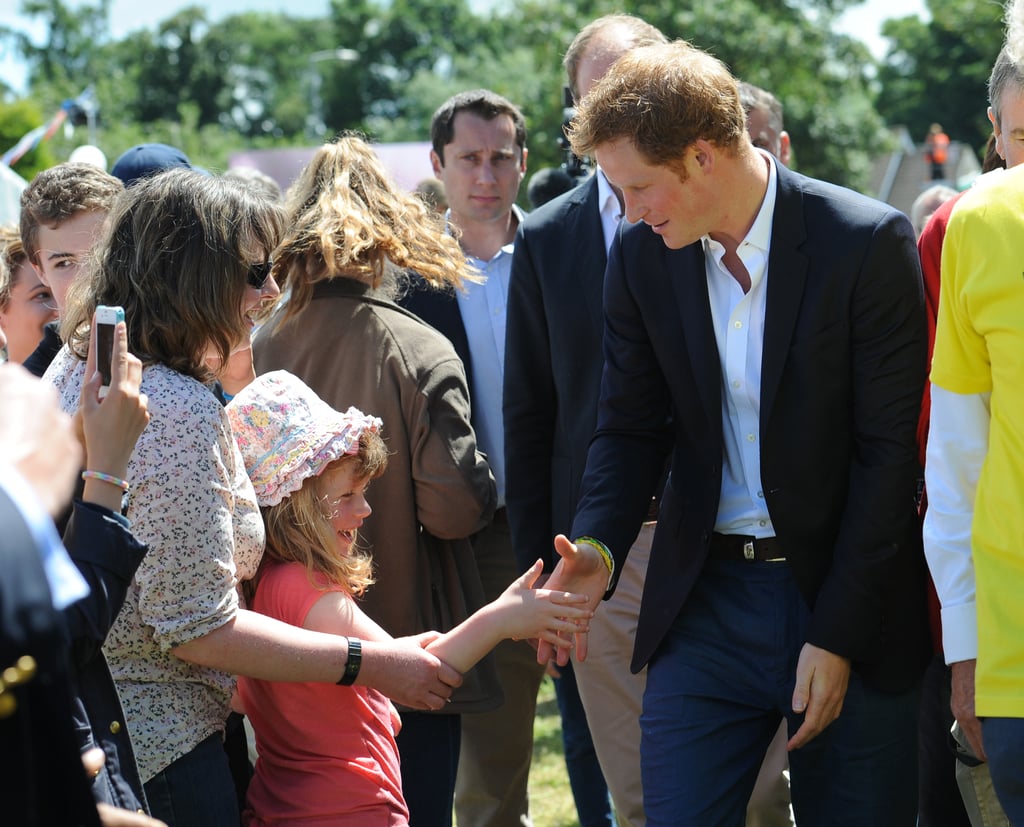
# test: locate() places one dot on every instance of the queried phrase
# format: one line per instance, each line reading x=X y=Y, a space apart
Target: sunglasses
x=258 y=274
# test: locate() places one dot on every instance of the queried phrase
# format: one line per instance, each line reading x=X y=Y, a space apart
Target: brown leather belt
x=745 y=549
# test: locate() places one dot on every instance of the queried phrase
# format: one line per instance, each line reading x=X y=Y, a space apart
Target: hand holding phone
x=109 y=428
x=106 y=319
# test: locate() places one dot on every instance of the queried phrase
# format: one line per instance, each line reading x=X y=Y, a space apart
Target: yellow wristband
x=606 y=556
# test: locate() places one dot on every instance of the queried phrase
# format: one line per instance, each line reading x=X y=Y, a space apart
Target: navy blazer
x=440 y=310
x=42 y=780
x=553 y=366
x=842 y=374
x=107 y=554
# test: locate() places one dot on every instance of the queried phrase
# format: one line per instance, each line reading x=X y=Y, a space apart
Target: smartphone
x=106 y=319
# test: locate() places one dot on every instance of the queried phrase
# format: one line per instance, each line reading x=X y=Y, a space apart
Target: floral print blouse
x=191 y=501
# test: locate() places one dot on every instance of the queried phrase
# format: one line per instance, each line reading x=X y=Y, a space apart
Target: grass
x=551 y=803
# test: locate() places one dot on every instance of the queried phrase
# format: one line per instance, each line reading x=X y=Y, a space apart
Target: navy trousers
x=1004 y=745
x=719 y=685
x=428 y=745
x=196 y=790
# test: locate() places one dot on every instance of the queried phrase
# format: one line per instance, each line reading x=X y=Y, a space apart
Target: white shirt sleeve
x=957 y=445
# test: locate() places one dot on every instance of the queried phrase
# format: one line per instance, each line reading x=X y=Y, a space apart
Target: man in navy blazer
x=552 y=383
x=765 y=332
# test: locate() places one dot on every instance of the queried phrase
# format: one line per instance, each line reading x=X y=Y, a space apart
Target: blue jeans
x=589 y=790
x=197 y=790
x=1004 y=745
x=717 y=688
x=429 y=748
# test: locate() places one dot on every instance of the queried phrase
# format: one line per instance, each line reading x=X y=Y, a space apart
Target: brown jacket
x=354 y=346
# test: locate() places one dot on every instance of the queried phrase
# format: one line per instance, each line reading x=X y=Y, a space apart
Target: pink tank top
x=327 y=754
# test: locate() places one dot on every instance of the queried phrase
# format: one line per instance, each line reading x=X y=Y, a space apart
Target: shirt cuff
x=960 y=632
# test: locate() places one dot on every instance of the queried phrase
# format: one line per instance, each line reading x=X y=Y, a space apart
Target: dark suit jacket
x=107 y=555
x=553 y=365
x=42 y=780
x=842 y=374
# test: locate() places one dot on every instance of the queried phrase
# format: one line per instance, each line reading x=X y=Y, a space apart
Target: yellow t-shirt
x=979 y=348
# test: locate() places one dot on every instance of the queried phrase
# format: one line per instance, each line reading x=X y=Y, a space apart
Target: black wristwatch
x=355 y=660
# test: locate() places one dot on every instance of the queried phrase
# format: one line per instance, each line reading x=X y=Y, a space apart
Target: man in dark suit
x=552 y=382
x=766 y=332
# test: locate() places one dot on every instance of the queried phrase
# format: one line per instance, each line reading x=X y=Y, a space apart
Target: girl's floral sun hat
x=287 y=433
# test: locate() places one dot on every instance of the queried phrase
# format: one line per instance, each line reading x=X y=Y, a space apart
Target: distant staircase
x=900 y=176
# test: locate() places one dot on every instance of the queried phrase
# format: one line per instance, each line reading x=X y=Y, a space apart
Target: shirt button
x=762 y=523
x=751 y=437
x=736 y=383
x=737 y=325
x=760 y=494
x=115 y=727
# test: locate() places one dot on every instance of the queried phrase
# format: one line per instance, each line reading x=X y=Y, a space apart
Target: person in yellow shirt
x=975 y=475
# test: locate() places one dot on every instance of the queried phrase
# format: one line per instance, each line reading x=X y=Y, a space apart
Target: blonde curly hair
x=347 y=218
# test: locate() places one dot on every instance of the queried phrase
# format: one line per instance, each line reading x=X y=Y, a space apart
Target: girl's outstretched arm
x=520 y=612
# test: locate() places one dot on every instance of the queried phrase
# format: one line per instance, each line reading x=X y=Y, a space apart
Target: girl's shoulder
x=287 y=592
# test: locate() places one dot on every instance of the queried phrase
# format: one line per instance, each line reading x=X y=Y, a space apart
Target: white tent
x=11 y=186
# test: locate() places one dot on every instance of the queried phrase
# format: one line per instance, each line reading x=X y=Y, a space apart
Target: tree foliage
x=251 y=79
x=16 y=119
x=938 y=71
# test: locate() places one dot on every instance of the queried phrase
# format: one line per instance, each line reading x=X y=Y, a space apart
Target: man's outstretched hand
x=580 y=570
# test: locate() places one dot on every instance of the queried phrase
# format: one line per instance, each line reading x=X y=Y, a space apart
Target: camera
x=576 y=167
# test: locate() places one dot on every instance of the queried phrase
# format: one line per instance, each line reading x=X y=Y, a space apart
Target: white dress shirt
x=611 y=209
x=738 y=320
x=957 y=445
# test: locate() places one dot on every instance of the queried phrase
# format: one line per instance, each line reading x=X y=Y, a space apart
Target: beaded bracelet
x=606 y=555
x=108 y=478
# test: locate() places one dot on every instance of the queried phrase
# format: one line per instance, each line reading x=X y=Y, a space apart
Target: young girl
x=327 y=755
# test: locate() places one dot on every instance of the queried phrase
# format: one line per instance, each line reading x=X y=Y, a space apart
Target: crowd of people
x=372 y=462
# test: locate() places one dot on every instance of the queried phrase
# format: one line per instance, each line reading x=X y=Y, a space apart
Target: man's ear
x=704 y=155
x=522 y=163
x=784 y=151
x=436 y=164
x=1000 y=149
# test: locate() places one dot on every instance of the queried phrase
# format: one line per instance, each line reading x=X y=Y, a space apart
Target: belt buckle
x=748 y=550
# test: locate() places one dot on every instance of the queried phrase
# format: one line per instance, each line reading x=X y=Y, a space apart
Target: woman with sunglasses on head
x=178 y=255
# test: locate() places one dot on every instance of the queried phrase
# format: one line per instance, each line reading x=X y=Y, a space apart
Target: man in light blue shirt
x=479 y=154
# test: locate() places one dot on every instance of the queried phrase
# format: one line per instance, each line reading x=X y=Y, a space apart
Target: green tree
x=249 y=80
x=823 y=79
x=18 y=118
x=69 y=49
x=938 y=71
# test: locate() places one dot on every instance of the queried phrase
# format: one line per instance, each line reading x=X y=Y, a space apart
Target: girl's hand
x=527 y=612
